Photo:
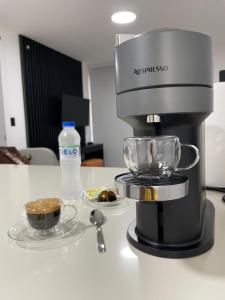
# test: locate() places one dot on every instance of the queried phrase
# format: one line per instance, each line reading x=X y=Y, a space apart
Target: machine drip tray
x=175 y=187
x=181 y=250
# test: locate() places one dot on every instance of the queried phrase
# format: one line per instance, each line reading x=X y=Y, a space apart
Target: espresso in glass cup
x=156 y=157
x=44 y=216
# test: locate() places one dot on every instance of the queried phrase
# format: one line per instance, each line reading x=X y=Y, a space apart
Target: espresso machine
x=164 y=87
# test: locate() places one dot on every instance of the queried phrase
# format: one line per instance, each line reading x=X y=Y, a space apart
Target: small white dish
x=92 y=198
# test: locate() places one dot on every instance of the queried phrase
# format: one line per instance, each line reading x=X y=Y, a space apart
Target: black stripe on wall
x=47 y=74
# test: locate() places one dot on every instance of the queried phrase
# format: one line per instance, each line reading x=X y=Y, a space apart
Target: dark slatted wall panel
x=47 y=74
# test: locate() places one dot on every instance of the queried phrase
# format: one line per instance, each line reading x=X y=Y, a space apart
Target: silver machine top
x=164 y=71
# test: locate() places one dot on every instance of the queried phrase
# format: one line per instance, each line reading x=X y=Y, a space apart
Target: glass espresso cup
x=44 y=216
x=155 y=157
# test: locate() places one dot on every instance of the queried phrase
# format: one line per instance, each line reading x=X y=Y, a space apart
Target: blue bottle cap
x=68 y=124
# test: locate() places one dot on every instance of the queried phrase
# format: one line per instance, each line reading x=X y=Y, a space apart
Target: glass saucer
x=66 y=233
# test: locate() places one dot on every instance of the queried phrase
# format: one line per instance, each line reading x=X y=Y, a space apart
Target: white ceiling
x=83 y=28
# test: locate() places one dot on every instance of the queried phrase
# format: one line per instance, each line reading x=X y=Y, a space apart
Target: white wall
x=107 y=127
x=12 y=91
x=218 y=62
x=87 y=94
x=2 y=115
x=215 y=139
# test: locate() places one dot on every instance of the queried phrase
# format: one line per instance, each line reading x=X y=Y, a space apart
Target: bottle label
x=69 y=151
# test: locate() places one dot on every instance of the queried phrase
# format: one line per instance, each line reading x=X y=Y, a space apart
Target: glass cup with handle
x=46 y=217
x=155 y=157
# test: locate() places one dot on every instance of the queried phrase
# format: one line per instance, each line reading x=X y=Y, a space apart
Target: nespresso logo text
x=150 y=70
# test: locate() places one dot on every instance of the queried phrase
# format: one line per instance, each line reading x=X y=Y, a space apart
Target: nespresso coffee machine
x=164 y=87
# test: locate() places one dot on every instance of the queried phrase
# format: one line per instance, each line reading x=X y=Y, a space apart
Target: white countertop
x=78 y=271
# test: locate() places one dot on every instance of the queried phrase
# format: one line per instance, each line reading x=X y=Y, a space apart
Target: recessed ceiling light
x=123 y=17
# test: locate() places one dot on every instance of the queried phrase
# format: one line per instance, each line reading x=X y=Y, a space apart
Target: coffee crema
x=42 y=206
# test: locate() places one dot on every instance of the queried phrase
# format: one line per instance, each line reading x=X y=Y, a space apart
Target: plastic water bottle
x=70 y=161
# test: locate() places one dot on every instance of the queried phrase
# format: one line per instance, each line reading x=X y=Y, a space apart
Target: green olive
x=107 y=196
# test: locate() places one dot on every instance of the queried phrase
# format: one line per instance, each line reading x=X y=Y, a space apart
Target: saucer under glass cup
x=45 y=224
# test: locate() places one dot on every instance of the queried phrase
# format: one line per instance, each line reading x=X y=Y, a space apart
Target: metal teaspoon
x=97 y=218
